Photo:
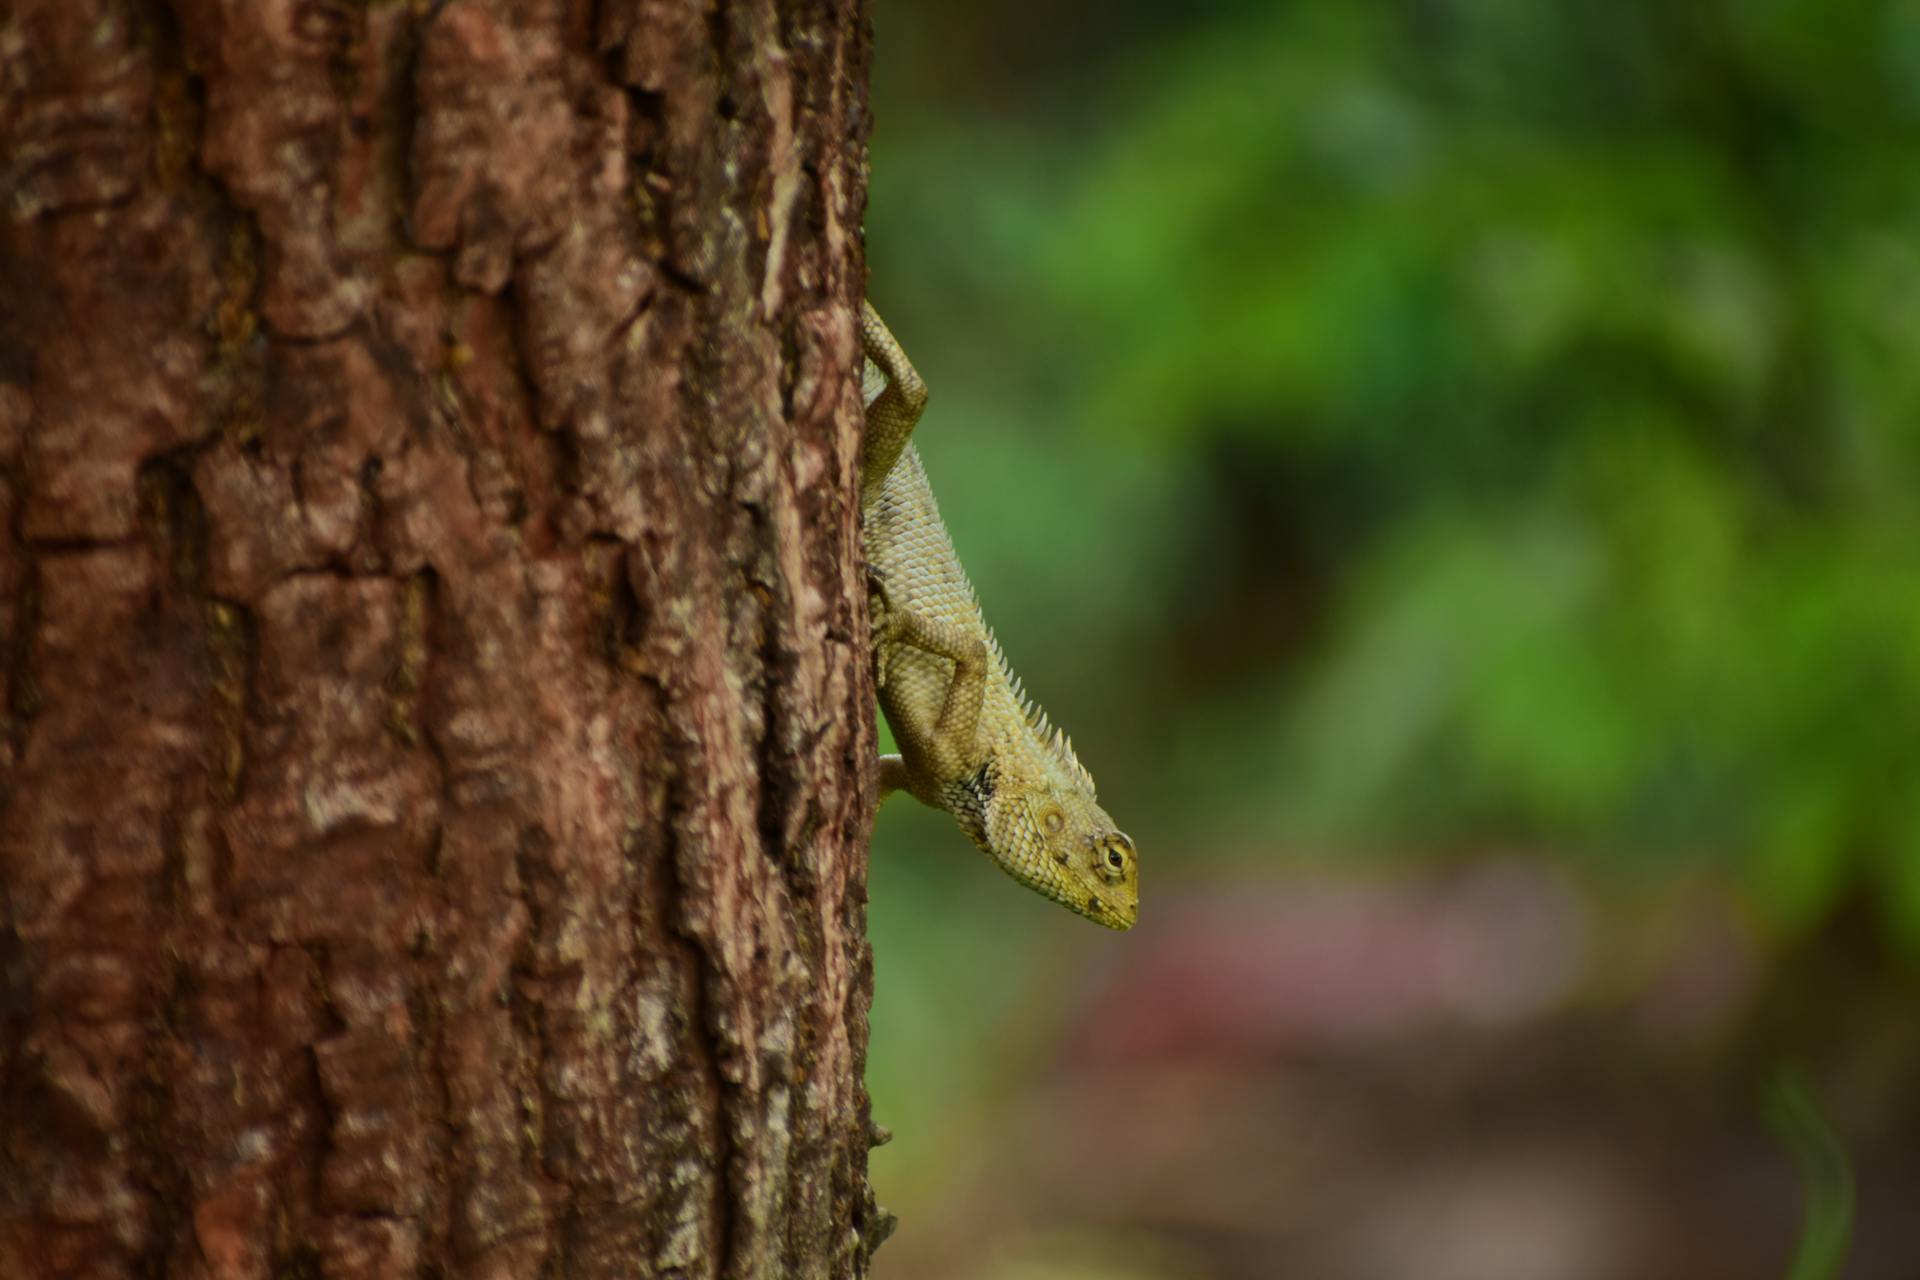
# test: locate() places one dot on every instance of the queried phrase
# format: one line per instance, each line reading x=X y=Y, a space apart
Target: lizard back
x=908 y=543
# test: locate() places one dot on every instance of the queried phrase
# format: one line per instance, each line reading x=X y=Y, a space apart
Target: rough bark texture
x=434 y=787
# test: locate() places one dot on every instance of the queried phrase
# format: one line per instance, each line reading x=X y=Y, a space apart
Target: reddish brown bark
x=434 y=788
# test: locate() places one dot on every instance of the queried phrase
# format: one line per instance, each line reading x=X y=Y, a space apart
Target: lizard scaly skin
x=970 y=742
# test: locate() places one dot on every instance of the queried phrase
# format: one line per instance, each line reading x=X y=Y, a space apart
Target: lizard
x=971 y=742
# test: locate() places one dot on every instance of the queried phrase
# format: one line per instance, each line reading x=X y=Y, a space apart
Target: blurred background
x=1452 y=465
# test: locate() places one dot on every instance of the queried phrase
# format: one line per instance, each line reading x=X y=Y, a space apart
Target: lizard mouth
x=1100 y=911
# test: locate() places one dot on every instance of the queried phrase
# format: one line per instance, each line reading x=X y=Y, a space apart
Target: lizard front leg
x=941 y=747
x=893 y=412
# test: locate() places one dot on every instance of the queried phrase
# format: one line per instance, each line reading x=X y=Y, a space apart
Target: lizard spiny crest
x=1055 y=741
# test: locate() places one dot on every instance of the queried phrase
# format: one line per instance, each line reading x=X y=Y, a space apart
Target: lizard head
x=1055 y=839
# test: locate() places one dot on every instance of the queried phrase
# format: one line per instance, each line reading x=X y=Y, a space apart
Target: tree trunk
x=435 y=782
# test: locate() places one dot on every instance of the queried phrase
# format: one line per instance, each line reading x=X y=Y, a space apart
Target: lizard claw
x=877 y=583
x=883 y=621
x=879 y=601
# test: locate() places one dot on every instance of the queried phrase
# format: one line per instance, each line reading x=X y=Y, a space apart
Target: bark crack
x=708 y=1041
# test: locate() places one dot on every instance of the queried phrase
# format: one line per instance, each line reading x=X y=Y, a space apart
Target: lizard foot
x=886 y=618
x=877 y=586
x=883 y=622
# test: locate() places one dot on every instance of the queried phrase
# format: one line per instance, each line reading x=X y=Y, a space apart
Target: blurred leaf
x=1825 y=1174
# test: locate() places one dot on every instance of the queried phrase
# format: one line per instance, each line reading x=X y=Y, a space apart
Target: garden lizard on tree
x=970 y=741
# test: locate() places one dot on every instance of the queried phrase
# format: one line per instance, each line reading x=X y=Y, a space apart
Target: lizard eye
x=1113 y=862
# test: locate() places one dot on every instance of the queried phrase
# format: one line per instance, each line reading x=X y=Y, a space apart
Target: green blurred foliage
x=1408 y=426
x=1405 y=428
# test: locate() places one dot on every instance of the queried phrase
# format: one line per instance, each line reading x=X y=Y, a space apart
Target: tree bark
x=436 y=773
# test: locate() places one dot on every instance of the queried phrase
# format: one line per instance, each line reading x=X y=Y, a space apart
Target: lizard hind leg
x=893 y=413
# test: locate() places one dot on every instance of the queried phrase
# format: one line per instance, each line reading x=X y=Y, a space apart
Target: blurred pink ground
x=1469 y=1075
